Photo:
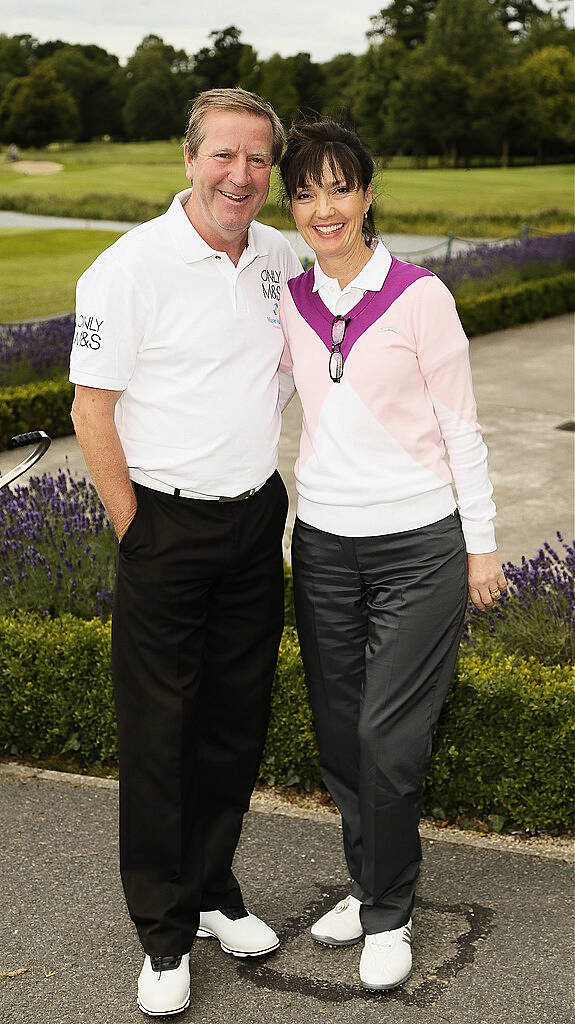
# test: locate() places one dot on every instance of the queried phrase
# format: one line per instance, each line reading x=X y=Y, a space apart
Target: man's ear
x=189 y=164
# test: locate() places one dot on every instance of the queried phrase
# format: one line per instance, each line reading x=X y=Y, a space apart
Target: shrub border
x=503 y=747
x=39 y=405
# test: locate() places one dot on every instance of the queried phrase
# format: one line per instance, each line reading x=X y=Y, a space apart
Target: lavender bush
x=537 y=616
x=38 y=350
x=56 y=548
x=489 y=266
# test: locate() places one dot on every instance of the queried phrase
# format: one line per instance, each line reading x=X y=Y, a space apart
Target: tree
x=339 y=88
x=404 y=20
x=37 y=109
x=308 y=80
x=376 y=72
x=218 y=66
x=145 y=111
x=505 y=113
x=552 y=76
x=467 y=33
x=517 y=18
x=15 y=58
x=249 y=69
x=94 y=79
x=278 y=87
x=156 y=74
x=177 y=61
x=430 y=108
x=548 y=30
x=15 y=55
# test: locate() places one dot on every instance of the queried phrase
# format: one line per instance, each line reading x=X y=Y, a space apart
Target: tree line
x=454 y=78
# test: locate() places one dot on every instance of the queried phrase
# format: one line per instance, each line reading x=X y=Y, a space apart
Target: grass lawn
x=39 y=269
x=483 y=200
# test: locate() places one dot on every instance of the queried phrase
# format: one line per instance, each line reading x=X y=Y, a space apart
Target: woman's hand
x=486 y=579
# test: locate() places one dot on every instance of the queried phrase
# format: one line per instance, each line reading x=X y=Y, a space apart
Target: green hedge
x=504 y=747
x=42 y=405
x=518 y=304
x=55 y=687
x=505 y=743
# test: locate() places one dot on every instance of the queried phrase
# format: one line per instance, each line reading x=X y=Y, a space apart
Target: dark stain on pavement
x=448 y=938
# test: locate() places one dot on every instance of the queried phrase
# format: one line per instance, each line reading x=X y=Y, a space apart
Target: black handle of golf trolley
x=37 y=437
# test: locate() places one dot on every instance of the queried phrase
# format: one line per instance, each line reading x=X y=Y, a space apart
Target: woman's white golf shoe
x=341 y=926
x=386 y=959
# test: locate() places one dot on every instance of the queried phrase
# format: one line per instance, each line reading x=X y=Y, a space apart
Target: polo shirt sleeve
x=111 y=321
x=443 y=355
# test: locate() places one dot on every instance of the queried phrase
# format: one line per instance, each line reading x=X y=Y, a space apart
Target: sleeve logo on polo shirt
x=88 y=332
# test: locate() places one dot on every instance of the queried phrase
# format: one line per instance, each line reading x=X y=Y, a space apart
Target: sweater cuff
x=479 y=537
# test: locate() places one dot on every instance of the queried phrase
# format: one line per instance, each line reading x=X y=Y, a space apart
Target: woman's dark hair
x=310 y=144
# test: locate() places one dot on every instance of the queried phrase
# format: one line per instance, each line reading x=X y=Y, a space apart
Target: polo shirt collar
x=370 y=279
x=191 y=245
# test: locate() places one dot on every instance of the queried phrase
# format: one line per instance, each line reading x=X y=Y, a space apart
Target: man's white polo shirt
x=194 y=344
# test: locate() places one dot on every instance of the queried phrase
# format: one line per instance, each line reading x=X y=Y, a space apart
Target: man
x=175 y=359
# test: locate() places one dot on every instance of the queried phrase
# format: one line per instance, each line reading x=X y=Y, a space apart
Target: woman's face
x=329 y=216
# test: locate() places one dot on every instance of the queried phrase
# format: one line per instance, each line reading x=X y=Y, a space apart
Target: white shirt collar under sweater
x=341 y=300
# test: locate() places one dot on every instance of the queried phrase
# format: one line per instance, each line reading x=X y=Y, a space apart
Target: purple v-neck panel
x=363 y=314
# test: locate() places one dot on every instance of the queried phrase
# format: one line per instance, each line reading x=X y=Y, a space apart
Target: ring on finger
x=495 y=593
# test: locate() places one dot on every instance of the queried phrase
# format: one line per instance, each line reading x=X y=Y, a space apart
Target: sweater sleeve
x=443 y=355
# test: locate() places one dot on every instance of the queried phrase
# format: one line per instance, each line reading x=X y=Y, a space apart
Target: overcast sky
x=319 y=27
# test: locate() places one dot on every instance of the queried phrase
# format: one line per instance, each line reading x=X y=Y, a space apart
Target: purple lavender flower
x=522 y=259
x=38 y=350
x=537 y=615
x=56 y=548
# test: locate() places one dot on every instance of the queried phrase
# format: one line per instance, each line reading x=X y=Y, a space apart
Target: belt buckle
x=240 y=497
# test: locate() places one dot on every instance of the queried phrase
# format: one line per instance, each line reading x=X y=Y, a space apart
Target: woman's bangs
x=342 y=164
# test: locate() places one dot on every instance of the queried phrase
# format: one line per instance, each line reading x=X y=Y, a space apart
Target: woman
x=382 y=554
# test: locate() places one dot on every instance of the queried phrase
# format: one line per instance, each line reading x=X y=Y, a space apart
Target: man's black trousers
x=379 y=621
x=197 y=621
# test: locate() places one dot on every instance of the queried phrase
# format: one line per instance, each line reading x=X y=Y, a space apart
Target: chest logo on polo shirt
x=88 y=332
x=271 y=287
x=271 y=284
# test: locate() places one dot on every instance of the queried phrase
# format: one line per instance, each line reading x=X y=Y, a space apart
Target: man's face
x=230 y=175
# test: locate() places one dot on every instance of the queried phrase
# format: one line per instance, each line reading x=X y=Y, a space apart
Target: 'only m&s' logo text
x=271 y=284
x=87 y=333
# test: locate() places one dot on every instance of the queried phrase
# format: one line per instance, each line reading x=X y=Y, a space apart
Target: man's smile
x=231 y=195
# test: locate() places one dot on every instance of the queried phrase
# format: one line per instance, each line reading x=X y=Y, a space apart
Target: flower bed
x=537 y=615
x=38 y=350
x=56 y=549
x=489 y=267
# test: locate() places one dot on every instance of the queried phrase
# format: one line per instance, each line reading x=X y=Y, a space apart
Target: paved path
x=492 y=929
x=524 y=386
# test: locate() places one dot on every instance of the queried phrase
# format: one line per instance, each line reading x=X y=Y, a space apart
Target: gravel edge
x=556 y=848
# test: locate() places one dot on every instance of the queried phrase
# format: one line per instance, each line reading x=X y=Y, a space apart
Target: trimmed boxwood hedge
x=47 y=404
x=41 y=405
x=504 y=746
x=518 y=304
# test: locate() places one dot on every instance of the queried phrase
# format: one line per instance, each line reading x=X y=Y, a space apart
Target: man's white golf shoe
x=386 y=959
x=239 y=932
x=341 y=926
x=164 y=985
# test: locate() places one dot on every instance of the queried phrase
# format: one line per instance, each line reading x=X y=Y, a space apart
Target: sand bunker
x=36 y=166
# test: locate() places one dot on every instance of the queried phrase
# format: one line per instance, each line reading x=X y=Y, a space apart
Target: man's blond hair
x=231 y=99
